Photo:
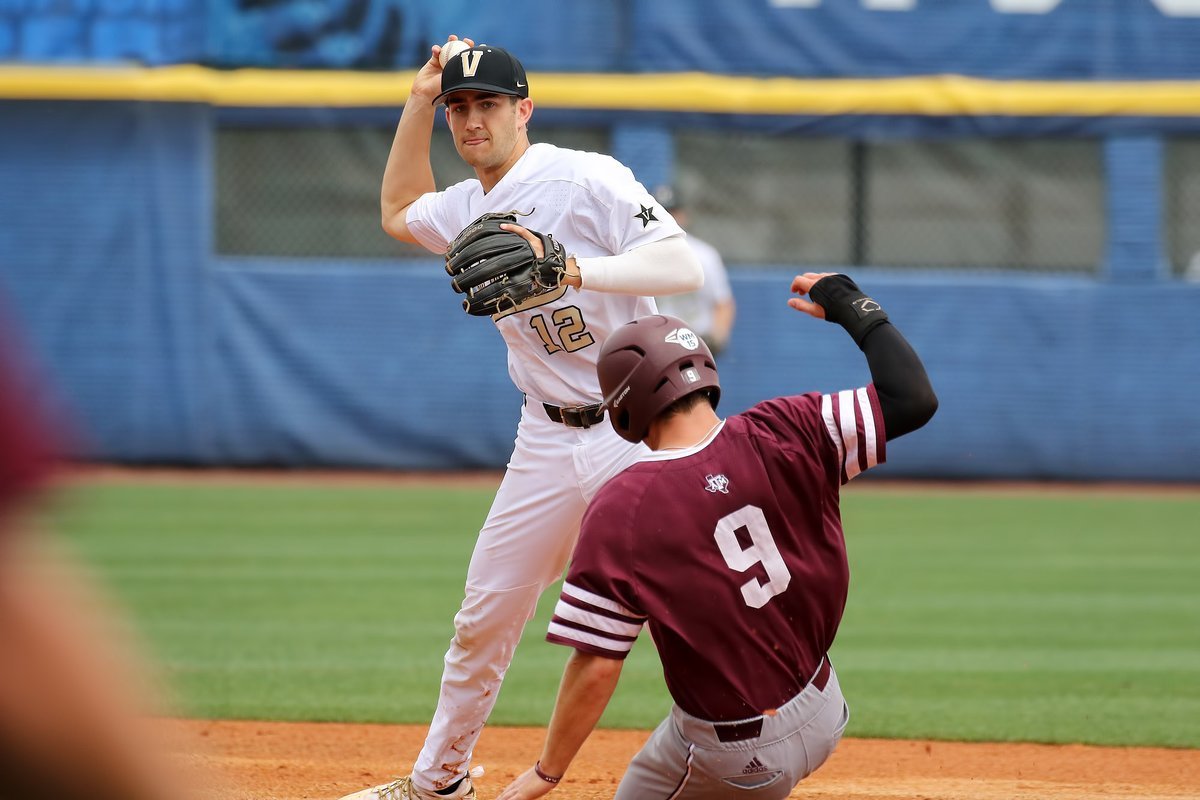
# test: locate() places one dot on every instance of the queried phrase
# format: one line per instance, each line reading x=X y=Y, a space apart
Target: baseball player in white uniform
x=624 y=249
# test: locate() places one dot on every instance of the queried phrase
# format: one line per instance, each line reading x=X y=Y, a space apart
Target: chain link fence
x=760 y=199
x=1019 y=204
x=1182 y=212
x=314 y=193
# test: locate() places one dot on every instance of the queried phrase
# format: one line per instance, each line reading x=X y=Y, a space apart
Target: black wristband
x=845 y=304
x=537 y=769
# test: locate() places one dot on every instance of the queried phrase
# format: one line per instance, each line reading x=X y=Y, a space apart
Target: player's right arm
x=409 y=174
x=587 y=685
x=595 y=617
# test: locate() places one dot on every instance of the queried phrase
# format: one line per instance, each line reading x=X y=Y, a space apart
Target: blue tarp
x=1077 y=39
x=1073 y=39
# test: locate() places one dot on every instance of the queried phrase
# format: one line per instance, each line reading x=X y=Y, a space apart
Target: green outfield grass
x=972 y=615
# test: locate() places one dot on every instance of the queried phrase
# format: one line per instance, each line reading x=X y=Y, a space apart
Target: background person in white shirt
x=624 y=249
x=711 y=309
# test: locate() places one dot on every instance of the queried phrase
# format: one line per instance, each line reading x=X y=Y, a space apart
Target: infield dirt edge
x=306 y=761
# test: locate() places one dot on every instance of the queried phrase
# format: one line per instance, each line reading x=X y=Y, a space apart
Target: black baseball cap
x=484 y=69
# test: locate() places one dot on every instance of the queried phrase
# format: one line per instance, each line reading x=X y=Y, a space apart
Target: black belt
x=576 y=416
x=752 y=728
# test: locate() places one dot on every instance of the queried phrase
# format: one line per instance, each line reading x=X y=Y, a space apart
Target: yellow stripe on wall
x=935 y=95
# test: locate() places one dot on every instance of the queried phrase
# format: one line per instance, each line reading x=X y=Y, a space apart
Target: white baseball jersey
x=595 y=207
x=696 y=307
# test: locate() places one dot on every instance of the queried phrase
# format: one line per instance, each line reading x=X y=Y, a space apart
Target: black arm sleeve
x=906 y=397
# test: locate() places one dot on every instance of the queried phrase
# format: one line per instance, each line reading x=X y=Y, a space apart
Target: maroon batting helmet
x=648 y=364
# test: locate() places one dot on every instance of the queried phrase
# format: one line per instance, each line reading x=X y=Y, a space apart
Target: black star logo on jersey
x=646 y=215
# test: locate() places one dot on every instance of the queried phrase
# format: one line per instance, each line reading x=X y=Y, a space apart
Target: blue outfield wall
x=164 y=353
x=1057 y=378
x=344 y=364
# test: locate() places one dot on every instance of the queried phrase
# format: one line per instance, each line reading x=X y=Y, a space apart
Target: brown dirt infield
x=295 y=761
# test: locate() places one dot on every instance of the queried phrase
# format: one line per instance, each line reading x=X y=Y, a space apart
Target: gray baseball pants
x=762 y=758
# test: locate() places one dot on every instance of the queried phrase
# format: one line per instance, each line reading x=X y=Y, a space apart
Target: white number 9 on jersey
x=762 y=550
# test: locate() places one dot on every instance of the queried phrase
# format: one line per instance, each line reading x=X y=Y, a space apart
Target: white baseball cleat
x=404 y=789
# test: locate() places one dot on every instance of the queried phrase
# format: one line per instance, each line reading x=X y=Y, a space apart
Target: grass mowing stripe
x=971 y=615
x=1023 y=618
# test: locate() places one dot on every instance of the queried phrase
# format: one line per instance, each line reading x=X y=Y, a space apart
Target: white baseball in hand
x=451 y=49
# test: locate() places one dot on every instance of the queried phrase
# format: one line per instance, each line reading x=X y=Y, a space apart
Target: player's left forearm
x=667 y=266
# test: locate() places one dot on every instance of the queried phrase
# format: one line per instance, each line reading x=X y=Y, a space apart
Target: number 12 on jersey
x=571 y=329
x=761 y=551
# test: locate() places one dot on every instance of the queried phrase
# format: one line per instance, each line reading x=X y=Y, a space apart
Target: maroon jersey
x=25 y=452
x=731 y=550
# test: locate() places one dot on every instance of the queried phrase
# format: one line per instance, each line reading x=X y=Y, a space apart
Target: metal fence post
x=1134 y=184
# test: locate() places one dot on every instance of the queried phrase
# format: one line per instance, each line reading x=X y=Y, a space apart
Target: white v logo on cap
x=470 y=65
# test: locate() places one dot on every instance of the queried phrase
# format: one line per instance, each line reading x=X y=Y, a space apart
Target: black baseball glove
x=498 y=270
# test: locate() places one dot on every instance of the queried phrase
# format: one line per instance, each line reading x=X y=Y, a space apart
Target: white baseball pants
x=522 y=549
